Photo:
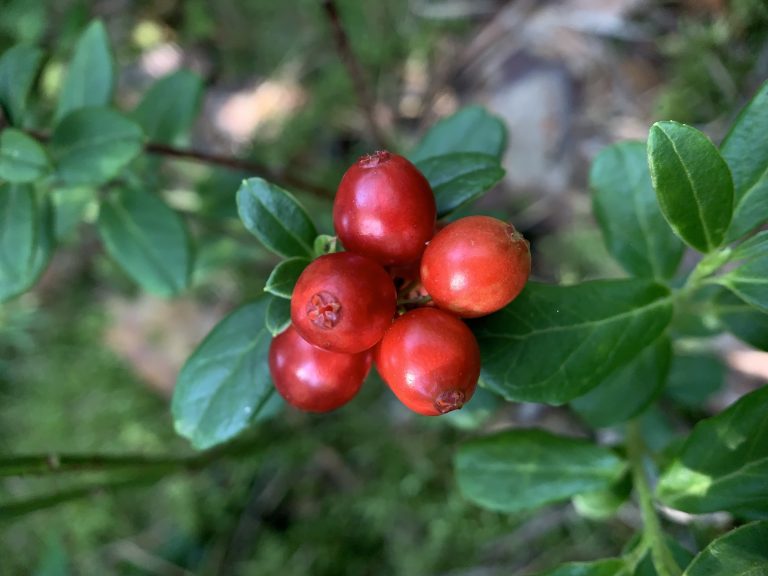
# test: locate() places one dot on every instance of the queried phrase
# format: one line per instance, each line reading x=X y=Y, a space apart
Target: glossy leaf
x=740 y=552
x=18 y=68
x=471 y=129
x=459 y=178
x=284 y=276
x=746 y=151
x=695 y=377
x=169 y=107
x=92 y=145
x=742 y=320
x=225 y=384
x=633 y=227
x=555 y=343
x=89 y=79
x=629 y=390
x=22 y=159
x=609 y=567
x=148 y=239
x=693 y=184
x=276 y=218
x=749 y=280
x=525 y=469
x=278 y=316
x=723 y=464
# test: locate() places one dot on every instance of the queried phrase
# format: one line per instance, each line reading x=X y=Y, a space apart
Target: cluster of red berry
x=344 y=307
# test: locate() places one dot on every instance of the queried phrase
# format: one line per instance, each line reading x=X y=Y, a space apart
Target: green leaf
x=629 y=390
x=740 y=552
x=92 y=145
x=148 y=239
x=520 y=470
x=609 y=567
x=742 y=320
x=18 y=69
x=471 y=129
x=746 y=151
x=225 y=384
x=284 y=276
x=695 y=377
x=749 y=280
x=625 y=205
x=723 y=464
x=89 y=79
x=681 y=556
x=278 y=315
x=170 y=106
x=603 y=504
x=693 y=184
x=554 y=343
x=22 y=159
x=70 y=206
x=276 y=218
x=459 y=178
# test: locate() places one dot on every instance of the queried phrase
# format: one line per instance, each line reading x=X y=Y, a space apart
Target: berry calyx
x=385 y=209
x=475 y=266
x=313 y=379
x=431 y=361
x=343 y=302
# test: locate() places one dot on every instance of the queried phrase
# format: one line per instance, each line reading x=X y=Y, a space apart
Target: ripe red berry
x=343 y=302
x=312 y=379
x=385 y=209
x=475 y=266
x=430 y=360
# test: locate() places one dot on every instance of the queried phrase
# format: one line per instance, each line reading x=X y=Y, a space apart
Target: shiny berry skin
x=430 y=360
x=384 y=209
x=312 y=379
x=343 y=302
x=475 y=266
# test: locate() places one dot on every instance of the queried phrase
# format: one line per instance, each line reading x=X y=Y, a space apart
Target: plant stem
x=653 y=534
x=414 y=301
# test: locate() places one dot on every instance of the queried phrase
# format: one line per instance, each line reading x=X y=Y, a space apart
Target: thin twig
x=355 y=71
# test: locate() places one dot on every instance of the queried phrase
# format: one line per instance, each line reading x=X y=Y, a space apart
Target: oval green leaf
x=693 y=184
x=22 y=159
x=609 y=567
x=749 y=279
x=740 y=552
x=471 y=129
x=723 y=465
x=742 y=320
x=693 y=378
x=276 y=218
x=555 y=343
x=148 y=240
x=520 y=470
x=225 y=385
x=278 y=315
x=633 y=227
x=284 y=276
x=745 y=149
x=92 y=145
x=18 y=68
x=170 y=106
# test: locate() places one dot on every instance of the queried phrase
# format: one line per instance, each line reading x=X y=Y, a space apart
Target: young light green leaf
x=695 y=377
x=284 y=276
x=92 y=145
x=634 y=229
x=608 y=567
x=459 y=178
x=148 y=239
x=18 y=68
x=520 y=470
x=169 y=107
x=693 y=184
x=746 y=151
x=740 y=552
x=749 y=280
x=471 y=129
x=605 y=503
x=723 y=464
x=629 y=390
x=89 y=79
x=555 y=343
x=742 y=320
x=22 y=159
x=225 y=384
x=278 y=315
x=276 y=218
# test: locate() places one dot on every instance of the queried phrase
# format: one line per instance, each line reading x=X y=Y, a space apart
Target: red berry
x=475 y=266
x=313 y=379
x=430 y=360
x=385 y=209
x=343 y=302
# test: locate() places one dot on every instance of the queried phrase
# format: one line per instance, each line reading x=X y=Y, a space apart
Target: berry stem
x=414 y=301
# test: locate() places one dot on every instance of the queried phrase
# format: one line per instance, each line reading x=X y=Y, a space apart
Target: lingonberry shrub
x=475 y=266
x=430 y=360
x=312 y=379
